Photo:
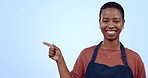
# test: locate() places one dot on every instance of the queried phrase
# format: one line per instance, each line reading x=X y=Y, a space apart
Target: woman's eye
x=116 y=21
x=105 y=21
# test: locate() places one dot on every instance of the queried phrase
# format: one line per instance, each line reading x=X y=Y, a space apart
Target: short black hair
x=112 y=5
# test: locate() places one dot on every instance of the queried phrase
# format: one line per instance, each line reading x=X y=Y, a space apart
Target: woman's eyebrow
x=116 y=18
x=105 y=18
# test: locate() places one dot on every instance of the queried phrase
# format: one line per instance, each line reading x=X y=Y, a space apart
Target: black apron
x=96 y=70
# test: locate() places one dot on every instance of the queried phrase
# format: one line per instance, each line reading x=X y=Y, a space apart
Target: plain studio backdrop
x=72 y=25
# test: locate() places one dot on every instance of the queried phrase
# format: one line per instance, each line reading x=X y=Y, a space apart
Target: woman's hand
x=55 y=54
x=54 y=51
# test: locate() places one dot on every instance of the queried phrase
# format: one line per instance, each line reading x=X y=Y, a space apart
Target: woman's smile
x=110 y=32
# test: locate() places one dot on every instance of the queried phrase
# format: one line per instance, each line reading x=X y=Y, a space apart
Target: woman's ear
x=100 y=23
x=123 y=21
x=123 y=27
x=123 y=24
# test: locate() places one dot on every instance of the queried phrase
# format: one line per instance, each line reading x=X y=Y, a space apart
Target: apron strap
x=95 y=52
x=123 y=53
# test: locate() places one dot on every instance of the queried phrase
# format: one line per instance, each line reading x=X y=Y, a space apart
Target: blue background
x=72 y=25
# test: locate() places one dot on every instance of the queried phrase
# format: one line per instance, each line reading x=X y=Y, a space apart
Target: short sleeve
x=78 y=69
x=82 y=62
x=141 y=71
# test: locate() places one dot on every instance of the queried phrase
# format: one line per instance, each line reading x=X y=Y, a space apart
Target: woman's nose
x=111 y=25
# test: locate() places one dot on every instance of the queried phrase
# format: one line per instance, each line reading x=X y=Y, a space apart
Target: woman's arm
x=63 y=70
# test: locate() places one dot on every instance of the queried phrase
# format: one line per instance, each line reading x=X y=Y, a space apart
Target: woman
x=108 y=59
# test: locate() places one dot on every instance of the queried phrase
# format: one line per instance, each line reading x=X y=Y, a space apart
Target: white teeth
x=111 y=32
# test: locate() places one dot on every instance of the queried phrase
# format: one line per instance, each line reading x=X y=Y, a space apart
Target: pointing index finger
x=48 y=44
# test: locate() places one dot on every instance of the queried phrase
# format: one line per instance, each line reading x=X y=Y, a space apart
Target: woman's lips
x=111 y=32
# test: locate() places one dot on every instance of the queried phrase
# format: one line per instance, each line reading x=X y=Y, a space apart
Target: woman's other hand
x=54 y=51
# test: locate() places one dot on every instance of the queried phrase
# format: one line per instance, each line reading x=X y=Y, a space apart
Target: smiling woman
x=108 y=59
x=111 y=23
x=71 y=25
x=111 y=20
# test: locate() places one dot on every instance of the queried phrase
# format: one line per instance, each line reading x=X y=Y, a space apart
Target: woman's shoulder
x=88 y=49
x=132 y=54
x=86 y=52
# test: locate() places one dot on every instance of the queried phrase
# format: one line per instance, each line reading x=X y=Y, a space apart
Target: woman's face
x=111 y=23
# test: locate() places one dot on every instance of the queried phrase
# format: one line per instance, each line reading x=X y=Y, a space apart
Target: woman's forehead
x=113 y=12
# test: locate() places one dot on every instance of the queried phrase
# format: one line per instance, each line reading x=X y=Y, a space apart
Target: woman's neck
x=111 y=45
